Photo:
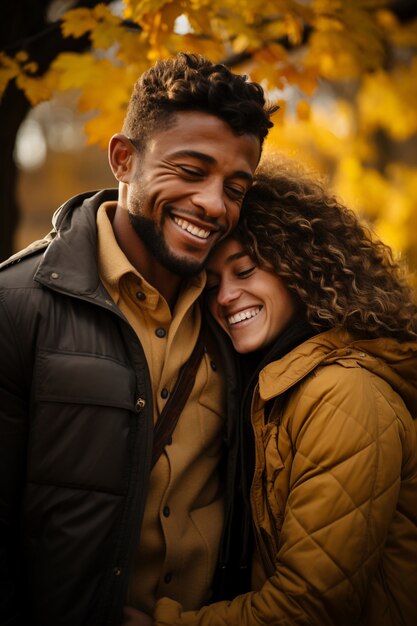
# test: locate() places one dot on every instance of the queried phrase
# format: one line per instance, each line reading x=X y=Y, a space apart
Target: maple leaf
x=78 y=22
x=74 y=70
x=36 y=89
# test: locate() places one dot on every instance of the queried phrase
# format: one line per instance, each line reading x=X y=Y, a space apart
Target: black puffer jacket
x=75 y=432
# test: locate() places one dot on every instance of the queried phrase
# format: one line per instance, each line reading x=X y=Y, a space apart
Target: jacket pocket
x=84 y=379
x=80 y=421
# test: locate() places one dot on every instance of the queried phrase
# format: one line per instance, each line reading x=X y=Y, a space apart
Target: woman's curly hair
x=340 y=274
x=190 y=82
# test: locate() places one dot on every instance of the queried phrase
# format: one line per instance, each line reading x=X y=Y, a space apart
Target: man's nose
x=210 y=198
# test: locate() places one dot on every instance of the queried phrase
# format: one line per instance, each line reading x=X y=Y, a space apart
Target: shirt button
x=141 y=295
x=167 y=578
x=166 y=511
x=160 y=332
x=164 y=393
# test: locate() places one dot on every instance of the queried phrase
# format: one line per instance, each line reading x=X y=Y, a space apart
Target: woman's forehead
x=225 y=252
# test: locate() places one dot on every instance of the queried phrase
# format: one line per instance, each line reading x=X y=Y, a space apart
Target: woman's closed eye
x=246 y=272
x=212 y=284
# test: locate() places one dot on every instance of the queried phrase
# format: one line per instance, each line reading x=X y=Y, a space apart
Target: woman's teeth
x=190 y=228
x=243 y=315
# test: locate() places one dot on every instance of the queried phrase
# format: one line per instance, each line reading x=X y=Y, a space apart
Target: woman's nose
x=228 y=292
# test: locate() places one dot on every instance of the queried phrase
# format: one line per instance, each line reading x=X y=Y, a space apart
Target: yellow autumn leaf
x=78 y=22
x=270 y=54
x=133 y=49
x=267 y=75
x=303 y=110
x=36 y=89
x=389 y=101
x=352 y=178
x=99 y=21
x=75 y=70
x=95 y=96
x=100 y=128
x=137 y=9
x=347 y=39
x=104 y=35
x=399 y=34
x=306 y=79
x=9 y=69
x=208 y=47
x=31 y=67
x=22 y=56
x=294 y=29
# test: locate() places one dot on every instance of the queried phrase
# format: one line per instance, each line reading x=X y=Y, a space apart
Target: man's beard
x=153 y=239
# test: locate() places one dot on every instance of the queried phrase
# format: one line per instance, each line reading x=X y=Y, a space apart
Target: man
x=96 y=322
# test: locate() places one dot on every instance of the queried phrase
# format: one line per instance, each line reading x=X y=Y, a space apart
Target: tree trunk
x=23 y=26
x=14 y=107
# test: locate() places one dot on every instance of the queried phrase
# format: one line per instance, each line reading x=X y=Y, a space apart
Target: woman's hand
x=132 y=617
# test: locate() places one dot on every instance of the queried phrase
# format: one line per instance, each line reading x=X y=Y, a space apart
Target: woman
x=303 y=290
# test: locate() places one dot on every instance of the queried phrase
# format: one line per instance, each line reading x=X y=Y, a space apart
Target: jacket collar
x=69 y=263
x=393 y=361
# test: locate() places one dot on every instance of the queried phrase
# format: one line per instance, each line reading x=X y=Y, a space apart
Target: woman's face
x=250 y=303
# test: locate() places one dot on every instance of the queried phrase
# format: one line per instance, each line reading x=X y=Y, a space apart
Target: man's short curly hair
x=189 y=82
x=341 y=275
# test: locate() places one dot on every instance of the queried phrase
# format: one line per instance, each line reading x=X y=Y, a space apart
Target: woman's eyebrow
x=229 y=259
x=236 y=255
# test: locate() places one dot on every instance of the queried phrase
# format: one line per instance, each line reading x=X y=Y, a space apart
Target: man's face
x=187 y=187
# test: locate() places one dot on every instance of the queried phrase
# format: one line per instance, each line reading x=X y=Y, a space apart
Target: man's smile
x=201 y=233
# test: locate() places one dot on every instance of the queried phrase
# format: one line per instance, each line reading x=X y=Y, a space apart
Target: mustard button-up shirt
x=183 y=519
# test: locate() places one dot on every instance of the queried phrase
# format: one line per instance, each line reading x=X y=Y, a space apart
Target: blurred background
x=344 y=73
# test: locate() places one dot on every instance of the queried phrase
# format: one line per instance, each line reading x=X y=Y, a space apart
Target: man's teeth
x=243 y=315
x=190 y=228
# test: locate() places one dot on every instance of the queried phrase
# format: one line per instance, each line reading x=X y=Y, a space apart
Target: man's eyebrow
x=211 y=161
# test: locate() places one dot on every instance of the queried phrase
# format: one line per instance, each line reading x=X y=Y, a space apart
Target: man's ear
x=121 y=152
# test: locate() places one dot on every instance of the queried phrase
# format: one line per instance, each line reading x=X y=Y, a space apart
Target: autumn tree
x=343 y=71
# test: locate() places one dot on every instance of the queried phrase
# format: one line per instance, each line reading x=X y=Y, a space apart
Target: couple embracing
x=278 y=483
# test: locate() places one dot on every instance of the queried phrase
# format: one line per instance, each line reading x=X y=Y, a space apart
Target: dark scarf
x=295 y=333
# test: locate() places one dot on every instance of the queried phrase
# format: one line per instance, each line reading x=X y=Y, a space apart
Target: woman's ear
x=120 y=153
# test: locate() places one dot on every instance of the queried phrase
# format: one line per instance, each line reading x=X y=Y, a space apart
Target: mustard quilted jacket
x=334 y=494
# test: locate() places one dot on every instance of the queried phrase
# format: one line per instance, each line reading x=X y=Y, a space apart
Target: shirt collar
x=114 y=265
